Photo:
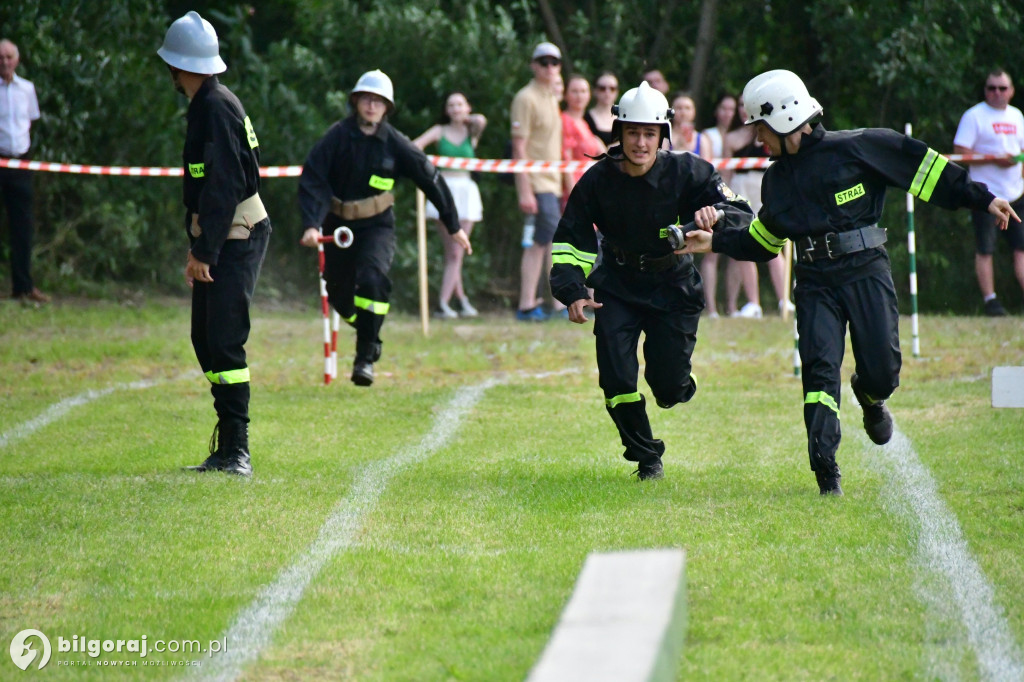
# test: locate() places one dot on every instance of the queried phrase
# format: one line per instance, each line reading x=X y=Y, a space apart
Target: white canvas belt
x=247 y=214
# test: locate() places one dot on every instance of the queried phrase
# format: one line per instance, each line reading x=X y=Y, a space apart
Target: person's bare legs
x=529 y=274
x=983 y=270
x=777 y=272
x=739 y=274
x=709 y=273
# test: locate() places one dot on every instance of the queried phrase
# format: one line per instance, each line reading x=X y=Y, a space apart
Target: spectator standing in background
x=741 y=142
x=18 y=108
x=685 y=137
x=656 y=79
x=579 y=143
x=456 y=134
x=725 y=112
x=537 y=136
x=600 y=117
x=995 y=127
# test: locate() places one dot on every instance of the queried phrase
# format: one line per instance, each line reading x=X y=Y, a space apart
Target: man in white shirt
x=18 y=108
x=995 y=127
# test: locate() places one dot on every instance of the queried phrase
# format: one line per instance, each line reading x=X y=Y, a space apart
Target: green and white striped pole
x=912 y=251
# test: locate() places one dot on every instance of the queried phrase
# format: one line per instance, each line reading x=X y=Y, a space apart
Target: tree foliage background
x=106 y=99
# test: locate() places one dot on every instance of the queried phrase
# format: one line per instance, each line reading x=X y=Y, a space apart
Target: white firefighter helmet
x=780 y=99
x=375 y=82
x=191 y=45
x=642 y=104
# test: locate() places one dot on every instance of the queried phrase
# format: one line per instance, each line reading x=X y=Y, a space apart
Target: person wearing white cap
x=537 y=136
x=228 y=230
x=826 y=191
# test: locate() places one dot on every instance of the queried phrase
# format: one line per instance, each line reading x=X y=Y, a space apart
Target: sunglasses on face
x=1000 y=88
x=549 y=61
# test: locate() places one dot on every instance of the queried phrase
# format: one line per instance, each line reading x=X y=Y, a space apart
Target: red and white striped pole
x=342 y=238
x=324 y=308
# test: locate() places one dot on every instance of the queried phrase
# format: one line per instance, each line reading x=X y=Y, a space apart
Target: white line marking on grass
x=254 y=628
x=943 y=550
x=58 y=410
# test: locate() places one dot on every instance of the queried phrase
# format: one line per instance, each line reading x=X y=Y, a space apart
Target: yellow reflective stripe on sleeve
x=350 y=320
x=197 y=170
x=928 y=174
x=933 y=178
x=569 y=255
x=385 y=184
x=232 y=376
x=375 y=307
x=250 y=134
x=823 y=398
x=624 y=398
x=765 y=238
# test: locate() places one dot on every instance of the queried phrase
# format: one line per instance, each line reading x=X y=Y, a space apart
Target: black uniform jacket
x=836 y=182
x=222 y=165
x=632 y=214
x=347 y=164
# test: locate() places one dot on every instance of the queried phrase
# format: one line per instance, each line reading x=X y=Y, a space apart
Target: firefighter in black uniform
x=631 y=195
x=825 y=191
x=347 y=180
x=228 y=230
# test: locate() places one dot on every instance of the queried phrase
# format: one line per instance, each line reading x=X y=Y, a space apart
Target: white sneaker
x=786 y=306
x=749 y=310
x=445 y=313
x=467 y=308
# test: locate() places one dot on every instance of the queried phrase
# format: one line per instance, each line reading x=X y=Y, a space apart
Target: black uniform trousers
x=220 y=321
x=823 y=310
x=358 y=286
x=16 y=185
x=668 y=317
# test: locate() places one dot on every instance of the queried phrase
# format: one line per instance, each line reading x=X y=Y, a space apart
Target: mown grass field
x=463 y=558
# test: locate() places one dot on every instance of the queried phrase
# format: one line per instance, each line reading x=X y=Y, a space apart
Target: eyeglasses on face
x=548 y=61
x=611 y=88
x=1000 y=88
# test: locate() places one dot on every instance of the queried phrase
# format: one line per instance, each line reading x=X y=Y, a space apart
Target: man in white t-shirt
x=995 y=127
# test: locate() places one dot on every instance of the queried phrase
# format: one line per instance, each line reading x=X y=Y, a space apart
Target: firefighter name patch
x=855 y=192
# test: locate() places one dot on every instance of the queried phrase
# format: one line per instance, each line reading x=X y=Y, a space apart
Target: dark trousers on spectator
x=16 y=186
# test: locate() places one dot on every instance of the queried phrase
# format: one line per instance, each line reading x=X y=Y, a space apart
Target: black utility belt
x=642 y=261
x=836 y=244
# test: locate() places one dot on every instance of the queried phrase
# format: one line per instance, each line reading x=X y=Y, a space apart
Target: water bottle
x=528 y=226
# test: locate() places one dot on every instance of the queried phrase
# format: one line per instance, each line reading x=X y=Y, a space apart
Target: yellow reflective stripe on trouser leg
x=823 y=398
x=375 y=307
x=624 y=398
x=232 y=376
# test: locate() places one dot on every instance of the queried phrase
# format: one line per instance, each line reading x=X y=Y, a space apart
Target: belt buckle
x=828 y=245
x=809 y=249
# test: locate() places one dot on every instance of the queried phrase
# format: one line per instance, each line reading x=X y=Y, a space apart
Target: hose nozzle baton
x=676 y=234
x=342 y=237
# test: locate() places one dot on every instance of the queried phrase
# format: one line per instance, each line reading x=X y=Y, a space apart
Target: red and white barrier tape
x=445 y=162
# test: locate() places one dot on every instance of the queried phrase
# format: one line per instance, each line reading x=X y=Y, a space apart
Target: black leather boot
x=235 y=449
x=216 y=458
x=877 y=418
